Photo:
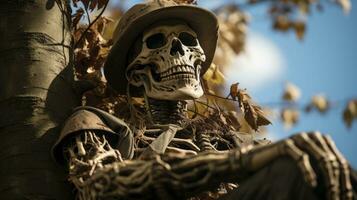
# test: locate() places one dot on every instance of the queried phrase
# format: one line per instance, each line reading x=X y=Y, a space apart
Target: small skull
x=169 y=63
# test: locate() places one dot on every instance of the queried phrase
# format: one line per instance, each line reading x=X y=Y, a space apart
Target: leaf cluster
x=290 y=113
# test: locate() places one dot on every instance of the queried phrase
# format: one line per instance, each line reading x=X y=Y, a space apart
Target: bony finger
x=308 y=144
x=333 y=189
x=303 y=162
x=345 y=181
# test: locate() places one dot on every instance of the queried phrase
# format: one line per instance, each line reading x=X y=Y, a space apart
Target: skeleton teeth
x=185 y=72
x=189 y=69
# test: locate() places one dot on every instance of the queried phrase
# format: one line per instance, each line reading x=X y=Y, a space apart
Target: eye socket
x=187 y=39
x=155 y=41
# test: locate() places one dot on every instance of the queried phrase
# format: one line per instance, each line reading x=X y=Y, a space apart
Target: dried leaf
x=350 y=113
x=94 y=52
x=233 y=120
x=77 y=17
x=289 y=117
x=291 y=93
x=232 y=34
x=234 y=91
x=233 y=28
x=250 y=115
x=93 y=4
x=254 y=116
x=345 y=5
x=213 y=75
x=318 y=102
x=282 y=23
x=101 y=24
x=238 y=94
x=299 y=28
x=102 y=3
x=261 y=120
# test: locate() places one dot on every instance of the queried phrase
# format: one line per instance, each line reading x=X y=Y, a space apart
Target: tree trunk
x=36 y=96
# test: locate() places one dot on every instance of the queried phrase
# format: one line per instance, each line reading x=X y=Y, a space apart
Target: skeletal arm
x=98 y=172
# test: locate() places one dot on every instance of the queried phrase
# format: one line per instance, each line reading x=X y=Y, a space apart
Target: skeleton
x=175 y=159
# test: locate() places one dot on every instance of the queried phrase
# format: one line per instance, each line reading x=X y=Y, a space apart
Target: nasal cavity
x=176 y=46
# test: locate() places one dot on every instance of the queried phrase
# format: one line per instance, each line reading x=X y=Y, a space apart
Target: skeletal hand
x=321 y=164
x=316 y=155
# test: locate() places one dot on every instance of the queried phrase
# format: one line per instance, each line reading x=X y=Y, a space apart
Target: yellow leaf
x=282 y=23
x=320 y=102
x=214 y=75
x=300 y=28
x=291 y=93
x=345 y=5
x=289 y=117
x=350 y=113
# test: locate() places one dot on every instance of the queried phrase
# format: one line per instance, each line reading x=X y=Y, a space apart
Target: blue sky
x=324 y=62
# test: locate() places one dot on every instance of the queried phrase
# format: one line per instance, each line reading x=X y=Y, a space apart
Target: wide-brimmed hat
x=141 y=16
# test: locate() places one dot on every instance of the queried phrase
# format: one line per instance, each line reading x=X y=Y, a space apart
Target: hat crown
x=137 y=11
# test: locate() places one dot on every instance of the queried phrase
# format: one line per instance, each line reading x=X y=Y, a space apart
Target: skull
x=169 y=62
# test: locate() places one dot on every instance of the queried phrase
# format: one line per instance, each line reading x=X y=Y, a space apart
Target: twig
x=205 y=104
x=88 y=17
x=225 y=98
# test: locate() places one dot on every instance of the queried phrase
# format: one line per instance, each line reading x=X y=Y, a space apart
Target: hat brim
x=202 y=21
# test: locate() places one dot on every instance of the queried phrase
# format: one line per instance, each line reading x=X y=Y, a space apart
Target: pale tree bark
x=36 y=95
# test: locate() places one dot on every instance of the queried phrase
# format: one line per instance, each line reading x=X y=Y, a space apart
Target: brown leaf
x=299 y=28
x=282 y=23
x=350 y=113
x=234 y=91
x=77 y=17
x=289 y=117
x=320 y=103
x=101 y=3
x=262 y=120
x=250 y=115
x=233 y=120
x=93 y=4
x=253 y=114
x=94 y=52
x=101 y=24
x=82 y=61
x=238 y=94
x=233 y=28
x=291 y=93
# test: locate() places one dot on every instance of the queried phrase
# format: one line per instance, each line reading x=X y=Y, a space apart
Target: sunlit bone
x=169 y=63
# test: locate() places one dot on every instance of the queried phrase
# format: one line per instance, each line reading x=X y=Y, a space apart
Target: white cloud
x=261 y=63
